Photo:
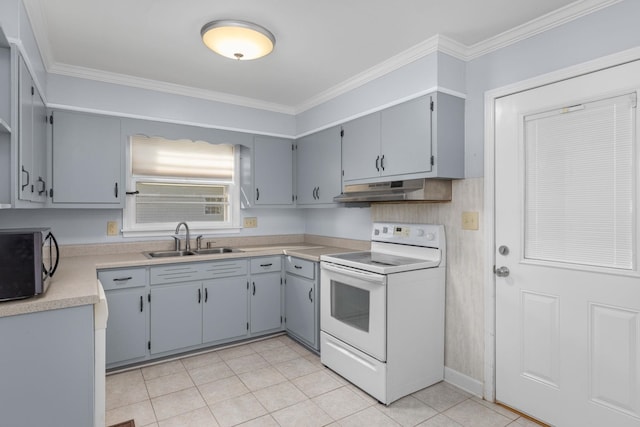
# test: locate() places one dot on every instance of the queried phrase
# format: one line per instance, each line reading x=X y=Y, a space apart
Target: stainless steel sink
x=220 y=250
x=166 y=254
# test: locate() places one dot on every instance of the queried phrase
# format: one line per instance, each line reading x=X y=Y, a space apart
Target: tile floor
x=277 y=382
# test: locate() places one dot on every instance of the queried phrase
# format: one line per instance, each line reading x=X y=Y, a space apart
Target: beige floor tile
x=235 y=352
x=125 y=389
x=364 y=395
x=279 y=355
x=266 y=345
x=296 y=368
x=208 y=373
x=159 y=370
x=168 y=384
x=301 y=350
x=201 y=360
x=141 y=412
x=305 y=413
x=286 y=340
x=408 y=411
x=279 y=396
x=264 y=421
x=248 y=363
x=439 y=421
x=177 y=403
x=237 y=410
x=340 y=403
x=223 y=389
x=316 y=383
x=199 y=418
x=498 y=408
x=472 y=414
x=261 y=378
x=441 y=396
x=370 y=417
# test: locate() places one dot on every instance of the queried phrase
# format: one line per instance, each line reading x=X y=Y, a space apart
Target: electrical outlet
x=250 y=222
x=469 y=220
x=112 y=228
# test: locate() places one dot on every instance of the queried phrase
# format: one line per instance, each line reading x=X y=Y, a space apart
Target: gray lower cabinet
x=301 y=300
x=224 y=313
x=128 y=322
x=266 y=294
x=47 y=368
x=176 y=316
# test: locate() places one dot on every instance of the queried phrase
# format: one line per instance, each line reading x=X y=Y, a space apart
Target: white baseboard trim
x=464 y=382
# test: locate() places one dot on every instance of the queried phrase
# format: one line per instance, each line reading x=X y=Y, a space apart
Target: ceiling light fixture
x=239 y=40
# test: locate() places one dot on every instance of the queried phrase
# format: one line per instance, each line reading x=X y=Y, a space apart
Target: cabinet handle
x=199 y=296
x=206 y=294
x=266 y=265
x=257 y=194
x=297 y=266
x=317 y=193
x=254 y=288
x=382 y=162
x=310 y=291
x=44 y=185
x=141 y=306
x=28 y=178
x=378 y=163
x=115 y=190
x=122 y=279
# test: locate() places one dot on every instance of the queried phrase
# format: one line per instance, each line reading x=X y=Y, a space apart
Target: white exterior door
x=567 y=184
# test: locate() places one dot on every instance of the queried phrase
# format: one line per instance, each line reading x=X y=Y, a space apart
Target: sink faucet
x=188 y=237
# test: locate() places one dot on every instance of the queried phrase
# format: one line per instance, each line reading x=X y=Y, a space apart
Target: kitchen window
x=170 y=181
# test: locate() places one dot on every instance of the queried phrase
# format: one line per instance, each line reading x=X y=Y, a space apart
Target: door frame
x=489 y=386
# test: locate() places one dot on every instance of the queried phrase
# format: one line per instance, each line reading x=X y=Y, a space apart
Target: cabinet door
x=176 y=316
x=273 y=171
x=361 y=148
x=266 y=310
x=299 y=307
x=86 y=159
x=39 y=148
x=26 y=89
x=127 y=325
x=224 y=313
x=319 y=167
x=405 y=131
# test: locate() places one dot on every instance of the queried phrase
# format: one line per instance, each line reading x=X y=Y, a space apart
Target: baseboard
x=464 y=382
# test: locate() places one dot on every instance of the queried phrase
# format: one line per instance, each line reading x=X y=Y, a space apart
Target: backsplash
x=464 y=339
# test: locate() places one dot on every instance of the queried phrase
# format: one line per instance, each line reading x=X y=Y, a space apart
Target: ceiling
x=320 y=45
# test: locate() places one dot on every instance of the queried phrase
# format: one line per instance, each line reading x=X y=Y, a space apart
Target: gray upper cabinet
x=420 y=138
x=87 y=160
x=269 y=178
x=32 y=137
x=319 y=167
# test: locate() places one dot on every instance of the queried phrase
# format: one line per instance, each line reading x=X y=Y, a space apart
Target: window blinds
x=580 y=171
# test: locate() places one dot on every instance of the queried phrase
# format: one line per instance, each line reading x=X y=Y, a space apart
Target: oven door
x=353 y=308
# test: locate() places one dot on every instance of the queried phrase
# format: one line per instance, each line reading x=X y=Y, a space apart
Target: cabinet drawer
x=122 y=278
x=236 y=267
x=266 y=264
x=300 y=267
x=173 y=273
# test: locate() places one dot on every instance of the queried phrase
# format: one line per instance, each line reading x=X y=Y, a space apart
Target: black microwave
x=28 y=258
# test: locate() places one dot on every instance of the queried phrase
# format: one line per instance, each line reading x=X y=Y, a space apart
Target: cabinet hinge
x=51 y=119
x=247 y=326
x=281 y=320
x=281 y=281
x=285 y=319
x=341 y=133
x=432 y=105
x=51 y=193
x=293 y=147
x=293 y=197
x=33 y=92
x=149 y=345
x=433 y=160
x=247 y=285
x=149 y=297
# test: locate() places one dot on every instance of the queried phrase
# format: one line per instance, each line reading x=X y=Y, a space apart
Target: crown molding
x=155 y=85
x=536 y=26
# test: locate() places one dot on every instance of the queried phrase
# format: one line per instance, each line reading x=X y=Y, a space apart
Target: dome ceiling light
x=239 y=40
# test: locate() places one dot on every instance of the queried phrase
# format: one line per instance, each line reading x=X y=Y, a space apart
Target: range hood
x=428 y=190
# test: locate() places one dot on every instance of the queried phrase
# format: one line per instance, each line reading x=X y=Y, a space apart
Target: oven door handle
x=363 y=275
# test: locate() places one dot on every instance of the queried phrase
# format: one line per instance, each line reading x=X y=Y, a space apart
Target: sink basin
x=166 y=254
x=221 y=250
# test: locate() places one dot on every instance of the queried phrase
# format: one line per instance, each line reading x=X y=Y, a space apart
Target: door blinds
x=580 y=191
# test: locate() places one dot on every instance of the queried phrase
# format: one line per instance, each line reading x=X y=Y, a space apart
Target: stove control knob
x=420 y=232
x=430 y=236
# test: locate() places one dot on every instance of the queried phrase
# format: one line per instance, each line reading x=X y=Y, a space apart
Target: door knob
x=501 y=271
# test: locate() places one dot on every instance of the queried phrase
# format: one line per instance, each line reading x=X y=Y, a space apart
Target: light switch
x=469 y=220
x=250 y=222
